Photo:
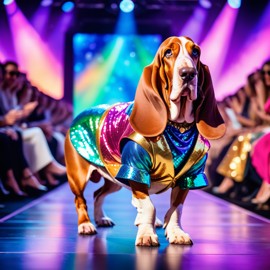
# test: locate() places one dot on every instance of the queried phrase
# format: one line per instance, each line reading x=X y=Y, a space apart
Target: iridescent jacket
x=104 y=137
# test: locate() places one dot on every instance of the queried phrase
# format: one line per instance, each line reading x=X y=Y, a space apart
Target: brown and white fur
x=178 y=88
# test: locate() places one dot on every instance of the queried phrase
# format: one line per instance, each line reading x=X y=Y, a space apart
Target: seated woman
x=42 y=117
x=235 y=164
x=240 y=114
x=35 y=146
x=260 y=155
x=11 y=145
x=220 y=147
x=260 y=158
x=15 y=169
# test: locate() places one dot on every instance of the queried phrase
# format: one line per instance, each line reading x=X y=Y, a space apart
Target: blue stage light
x=68 y=6
x=8 y=2
x=126 y=6
x=234 y=3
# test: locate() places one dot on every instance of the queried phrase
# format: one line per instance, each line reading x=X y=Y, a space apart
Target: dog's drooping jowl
x=155 y=143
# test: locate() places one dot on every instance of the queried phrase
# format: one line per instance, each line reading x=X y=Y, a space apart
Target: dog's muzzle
x=187 y=74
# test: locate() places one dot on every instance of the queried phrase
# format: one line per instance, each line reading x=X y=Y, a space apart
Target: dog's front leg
x=172 y=224
x=145 y=220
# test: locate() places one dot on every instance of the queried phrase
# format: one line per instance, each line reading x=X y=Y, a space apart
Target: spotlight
x=68 y=6
x=46 y=3
x=126 y=6
x=205 y=4
x=234 y=3
x=8 y=2
x=114 y=6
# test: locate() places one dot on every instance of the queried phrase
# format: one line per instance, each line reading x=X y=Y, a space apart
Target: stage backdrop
x=107 y=67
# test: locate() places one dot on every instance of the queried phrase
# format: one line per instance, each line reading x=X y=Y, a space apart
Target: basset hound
x=158 y=141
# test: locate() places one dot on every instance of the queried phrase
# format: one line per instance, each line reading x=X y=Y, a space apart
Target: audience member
x=12 y=168
x=238 y=114
x=260 y=154
x=260 y=157
x=35 y=146
x=42 y=117
x=236 y=163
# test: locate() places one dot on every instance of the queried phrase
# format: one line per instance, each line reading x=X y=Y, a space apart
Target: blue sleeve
x=195 y=177
x=136 y=164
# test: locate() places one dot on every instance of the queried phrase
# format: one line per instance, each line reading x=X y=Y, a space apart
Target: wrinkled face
x=181 y=59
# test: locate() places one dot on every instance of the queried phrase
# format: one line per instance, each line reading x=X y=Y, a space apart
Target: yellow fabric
x=234 y=163
x=162 y=172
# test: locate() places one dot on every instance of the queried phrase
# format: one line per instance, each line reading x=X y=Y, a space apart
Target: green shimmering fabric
x=194 y=182
x=83 y=133
x=127 y=173
x=195 y=177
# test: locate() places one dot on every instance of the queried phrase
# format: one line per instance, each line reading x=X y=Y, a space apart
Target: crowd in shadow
x=32 y=131
x=238 y=165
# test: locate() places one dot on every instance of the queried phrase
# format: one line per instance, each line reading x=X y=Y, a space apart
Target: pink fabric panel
x=261 y=157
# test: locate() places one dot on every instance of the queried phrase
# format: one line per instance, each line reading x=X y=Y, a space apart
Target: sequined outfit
x=104 y=137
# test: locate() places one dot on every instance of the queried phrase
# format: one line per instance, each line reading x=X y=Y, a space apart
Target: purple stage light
x=205 y=3
x=216 y=44
x=34 y=56
x=194 y=25
x=250 y=58
x=46 y=3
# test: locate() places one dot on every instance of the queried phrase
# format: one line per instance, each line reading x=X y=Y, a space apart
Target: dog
x=155 y=143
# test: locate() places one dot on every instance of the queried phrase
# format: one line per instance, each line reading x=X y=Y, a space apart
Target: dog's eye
x=195 y=52
x=168 y=53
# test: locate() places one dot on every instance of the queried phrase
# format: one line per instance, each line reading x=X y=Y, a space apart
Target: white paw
x=177 y=236
x=158 y=223
x=87 y=228
x=146 y=236
x=104 y=222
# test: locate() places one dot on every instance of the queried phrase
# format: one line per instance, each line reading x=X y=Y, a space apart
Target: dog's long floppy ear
x=149 y=115
x=208 y=119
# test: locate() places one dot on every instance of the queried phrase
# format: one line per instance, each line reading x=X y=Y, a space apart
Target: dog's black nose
x=187 y=73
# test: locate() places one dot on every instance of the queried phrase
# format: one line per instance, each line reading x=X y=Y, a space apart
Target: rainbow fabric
x=100 y=135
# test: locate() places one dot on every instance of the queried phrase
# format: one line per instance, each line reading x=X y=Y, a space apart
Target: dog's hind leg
x=99 y=195
x=77 y=172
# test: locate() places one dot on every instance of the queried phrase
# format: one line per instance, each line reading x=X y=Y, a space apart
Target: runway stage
x=43 y=235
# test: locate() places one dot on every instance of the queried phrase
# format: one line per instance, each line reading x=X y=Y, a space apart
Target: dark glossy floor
x=43 y=235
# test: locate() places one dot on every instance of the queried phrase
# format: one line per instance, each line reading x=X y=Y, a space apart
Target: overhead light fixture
x=68 y=6
x=205 y=3
x=8 y=2
x=126 y=6
x=46 y=3
x=234 y=3
x=114 y=6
